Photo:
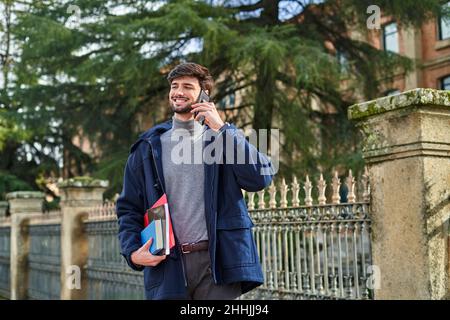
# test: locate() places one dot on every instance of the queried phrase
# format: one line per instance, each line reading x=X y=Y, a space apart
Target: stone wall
x=407 y=150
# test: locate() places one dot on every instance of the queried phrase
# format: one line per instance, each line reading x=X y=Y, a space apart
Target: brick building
x=428 y=46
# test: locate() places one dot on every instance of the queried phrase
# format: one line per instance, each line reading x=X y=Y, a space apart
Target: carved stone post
x=23 y=205
x=78 y=196
x=407 y=151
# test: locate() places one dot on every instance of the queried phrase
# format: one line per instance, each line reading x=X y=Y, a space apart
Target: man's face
x=184 y=92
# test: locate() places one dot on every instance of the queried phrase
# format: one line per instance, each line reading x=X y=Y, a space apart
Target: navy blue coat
x=232 y=249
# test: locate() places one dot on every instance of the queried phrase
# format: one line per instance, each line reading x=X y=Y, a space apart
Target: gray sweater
x=184 y=179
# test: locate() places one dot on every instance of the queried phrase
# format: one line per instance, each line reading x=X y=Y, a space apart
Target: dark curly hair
x=191 y=69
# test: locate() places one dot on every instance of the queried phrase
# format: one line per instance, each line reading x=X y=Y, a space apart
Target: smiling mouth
x=180 y=100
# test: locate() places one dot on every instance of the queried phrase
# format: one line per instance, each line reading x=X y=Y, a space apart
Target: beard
x=185 y=109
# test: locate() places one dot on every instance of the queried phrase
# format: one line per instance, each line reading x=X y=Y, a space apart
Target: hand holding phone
x=203 y=97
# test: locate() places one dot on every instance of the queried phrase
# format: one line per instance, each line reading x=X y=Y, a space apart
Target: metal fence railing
x=319 y=251
x=308 y=249
x=5 y=247
x=109 y=277
x=44 y=259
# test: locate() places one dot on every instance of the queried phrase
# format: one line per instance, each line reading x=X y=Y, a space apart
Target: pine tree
x=12 y=134
x=101 y=75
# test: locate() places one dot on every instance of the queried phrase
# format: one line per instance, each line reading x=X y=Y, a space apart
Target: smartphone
x=203 y=97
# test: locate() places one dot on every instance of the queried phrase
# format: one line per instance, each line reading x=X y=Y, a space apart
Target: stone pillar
x=78 y=196
x=23 y=205
x=3 y=208
x=406 y=146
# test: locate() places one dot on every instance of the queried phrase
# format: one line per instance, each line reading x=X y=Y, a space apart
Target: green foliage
x=105 y=78
x=51 y=205
x=111 y=169
x=11 y=183
x=10 y=131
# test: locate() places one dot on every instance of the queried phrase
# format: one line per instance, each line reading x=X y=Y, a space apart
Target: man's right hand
x=143 y=257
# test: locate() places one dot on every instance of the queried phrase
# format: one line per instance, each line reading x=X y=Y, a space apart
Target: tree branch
x=250 y=7
x=233 y=90
x=242 y=106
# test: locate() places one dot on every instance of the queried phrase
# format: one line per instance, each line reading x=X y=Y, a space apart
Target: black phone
x=203 y=97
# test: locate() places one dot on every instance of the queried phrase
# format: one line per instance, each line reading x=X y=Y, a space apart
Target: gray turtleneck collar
x=194 y=127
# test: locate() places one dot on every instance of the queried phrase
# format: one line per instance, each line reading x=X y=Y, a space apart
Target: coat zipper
x=162 y=187
x=213 y=213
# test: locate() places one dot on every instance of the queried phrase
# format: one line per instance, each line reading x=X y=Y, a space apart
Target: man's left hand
x=209 y=111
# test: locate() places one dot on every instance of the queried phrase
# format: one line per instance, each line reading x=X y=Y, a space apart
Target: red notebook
x=160 y=211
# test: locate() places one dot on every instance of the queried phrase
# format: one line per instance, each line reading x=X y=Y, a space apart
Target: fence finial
x=112 y=209
x=295 y=191
x=283 y=191
x=308 y=189
x=351 y=187
x=366 y=186
x=273 y=194
x=321 y=185
x=261 y=202
x=97 y=211
x=336 y=185
x=251 y=201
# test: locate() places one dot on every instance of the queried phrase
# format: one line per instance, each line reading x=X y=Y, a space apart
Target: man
x=215 y=255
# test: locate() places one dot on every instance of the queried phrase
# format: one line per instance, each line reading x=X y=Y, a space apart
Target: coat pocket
x=153 y=276
x=235 y=244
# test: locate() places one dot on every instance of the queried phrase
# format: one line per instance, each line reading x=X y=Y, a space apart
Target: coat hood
x=156 y=130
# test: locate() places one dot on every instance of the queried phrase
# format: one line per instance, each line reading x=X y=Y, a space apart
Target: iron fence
x=109 y=277
x=319 y=251
x=314 y=252
x=307 y=250
x=44 y=260
x=5 y=247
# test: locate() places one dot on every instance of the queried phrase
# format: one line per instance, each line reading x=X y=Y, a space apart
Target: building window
x=444 y=24
x=445 y=83
x=390 y=37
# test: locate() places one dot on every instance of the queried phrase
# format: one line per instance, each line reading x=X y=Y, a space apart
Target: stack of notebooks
x=158 y=226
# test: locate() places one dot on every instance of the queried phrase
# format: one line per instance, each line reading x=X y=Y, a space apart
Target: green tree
x=23 y=157
x=100 y=76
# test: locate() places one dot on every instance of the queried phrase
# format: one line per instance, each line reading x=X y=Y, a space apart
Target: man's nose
x=179 y=92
